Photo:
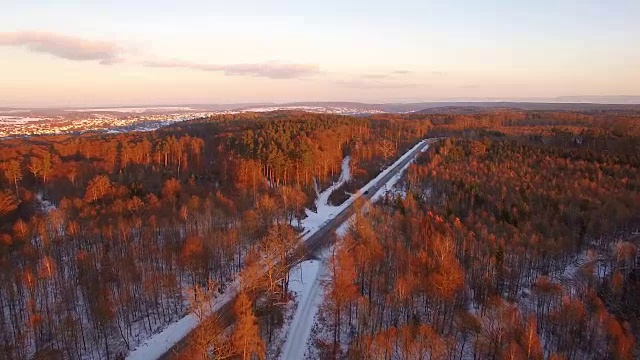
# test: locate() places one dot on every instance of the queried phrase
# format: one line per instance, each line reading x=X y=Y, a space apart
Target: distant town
x=23 y=122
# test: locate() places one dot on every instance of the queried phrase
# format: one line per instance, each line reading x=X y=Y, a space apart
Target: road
x=320 y=239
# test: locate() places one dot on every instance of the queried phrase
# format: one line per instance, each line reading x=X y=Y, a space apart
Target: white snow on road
x=305 y=284
x=393 y=181
x=160 y=343
x=421 y=145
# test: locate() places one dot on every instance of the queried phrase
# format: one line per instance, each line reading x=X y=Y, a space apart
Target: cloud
x=62 y=46
x=375 y=76
x=273 y=70
x=370 y=85
x=390 y=75
x=107 y=53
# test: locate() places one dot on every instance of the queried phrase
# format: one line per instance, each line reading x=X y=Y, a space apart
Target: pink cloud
x=107 y=53
x=273 y=70
x=63 y=46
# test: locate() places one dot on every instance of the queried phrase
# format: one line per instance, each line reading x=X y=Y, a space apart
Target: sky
x=88 y=53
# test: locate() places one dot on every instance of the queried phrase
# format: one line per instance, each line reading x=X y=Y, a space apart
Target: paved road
x=320 y=239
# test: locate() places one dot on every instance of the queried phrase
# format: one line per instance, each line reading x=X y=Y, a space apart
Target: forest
x=107 y=238
x=513 y=237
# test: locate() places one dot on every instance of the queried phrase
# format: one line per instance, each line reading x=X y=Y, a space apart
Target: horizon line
x=569 y=99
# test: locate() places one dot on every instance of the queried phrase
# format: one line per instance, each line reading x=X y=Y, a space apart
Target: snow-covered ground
x=307 y=290
x=160 y=343
x=324 y=211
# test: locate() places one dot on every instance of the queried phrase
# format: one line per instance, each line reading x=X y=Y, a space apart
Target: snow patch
x=324 y=211
x=45 y=205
